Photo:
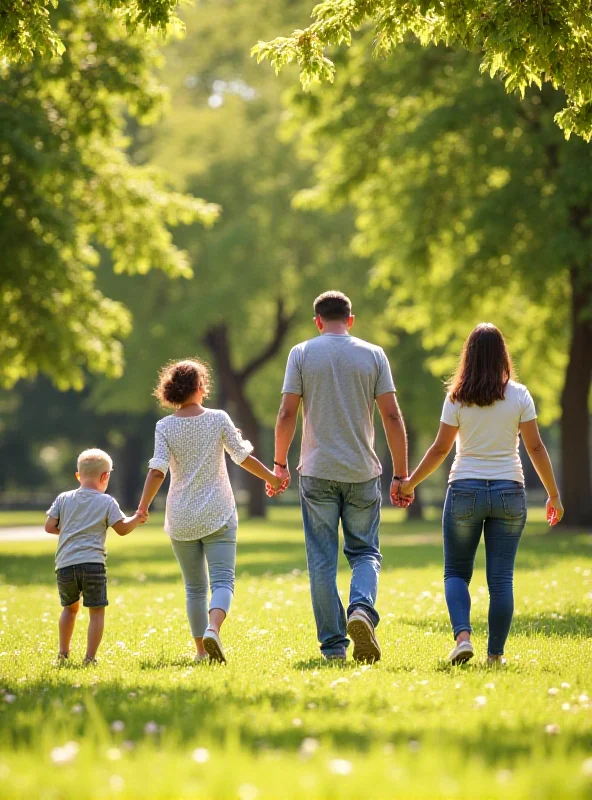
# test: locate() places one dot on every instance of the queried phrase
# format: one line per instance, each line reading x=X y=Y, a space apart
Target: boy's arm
x=52 y=525
x=127 y=524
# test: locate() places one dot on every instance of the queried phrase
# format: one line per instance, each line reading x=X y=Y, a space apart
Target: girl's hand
x=555 y=510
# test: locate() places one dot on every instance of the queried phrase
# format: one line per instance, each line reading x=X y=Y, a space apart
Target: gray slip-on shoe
x=461 y=653
x=361 y=631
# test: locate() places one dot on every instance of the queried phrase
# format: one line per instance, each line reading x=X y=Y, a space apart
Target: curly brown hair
x=178 y=381
x=484 y=369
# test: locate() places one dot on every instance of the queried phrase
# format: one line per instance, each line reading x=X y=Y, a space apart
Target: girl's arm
x=152 y=484
x=255 y=467
x=432 y=459
x=539 y=456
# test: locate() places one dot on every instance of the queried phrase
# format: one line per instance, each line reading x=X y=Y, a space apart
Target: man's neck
x=337 y=329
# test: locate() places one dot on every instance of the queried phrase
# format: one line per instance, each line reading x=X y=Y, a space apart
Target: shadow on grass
x=566 y=625
x=156 y=563
x=182 y=712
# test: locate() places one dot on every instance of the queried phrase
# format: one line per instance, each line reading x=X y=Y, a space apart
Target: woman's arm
x=255 y=467
x=432 y=459
x=153 y=483
x=539 y=456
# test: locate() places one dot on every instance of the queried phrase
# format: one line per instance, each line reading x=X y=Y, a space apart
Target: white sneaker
x=461 y=653
x=213 y=646
x=361 y=630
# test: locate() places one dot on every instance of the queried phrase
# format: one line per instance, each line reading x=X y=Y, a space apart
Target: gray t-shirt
x=339 y=377
x=84 y=516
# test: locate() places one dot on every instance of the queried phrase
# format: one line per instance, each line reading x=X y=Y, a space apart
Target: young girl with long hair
x=201 y=517
x=485 y=411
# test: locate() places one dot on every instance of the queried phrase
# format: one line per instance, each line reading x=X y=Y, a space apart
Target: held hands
x=402 y=495
x=141 y=515
x=554 y=510
x=280 y=482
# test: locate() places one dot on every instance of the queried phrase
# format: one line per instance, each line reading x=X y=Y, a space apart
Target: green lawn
x=276 y=723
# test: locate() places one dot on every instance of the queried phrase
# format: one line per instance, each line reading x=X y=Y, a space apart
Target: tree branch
x=282 y=325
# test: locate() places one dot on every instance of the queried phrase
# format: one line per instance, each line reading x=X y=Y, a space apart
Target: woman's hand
x=555 y=510
x=406 y=488
x=399 y=499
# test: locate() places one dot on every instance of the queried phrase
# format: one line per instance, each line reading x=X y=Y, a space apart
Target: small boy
x=81 y=518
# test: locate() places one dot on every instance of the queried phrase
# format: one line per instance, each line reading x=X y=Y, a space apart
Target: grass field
x=276 y=722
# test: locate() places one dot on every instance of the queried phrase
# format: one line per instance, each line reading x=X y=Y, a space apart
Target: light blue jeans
x=218 y=551
x=324 y=503
x=496 y=508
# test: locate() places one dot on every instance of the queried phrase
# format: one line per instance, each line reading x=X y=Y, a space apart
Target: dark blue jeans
x=498 y=509
x=324 y=503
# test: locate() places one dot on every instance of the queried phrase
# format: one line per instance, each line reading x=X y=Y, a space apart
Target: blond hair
x=92 y=463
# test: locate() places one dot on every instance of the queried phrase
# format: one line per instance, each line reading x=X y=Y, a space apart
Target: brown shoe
x=361 y=631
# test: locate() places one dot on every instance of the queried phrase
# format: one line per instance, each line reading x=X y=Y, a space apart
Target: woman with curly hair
x=485 y=411
x=201 y=517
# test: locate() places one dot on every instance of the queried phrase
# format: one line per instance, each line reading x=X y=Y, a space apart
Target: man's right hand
x=399 y=499
x=283 y=473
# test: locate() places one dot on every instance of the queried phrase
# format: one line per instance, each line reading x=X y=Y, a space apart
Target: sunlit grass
x=276 y=722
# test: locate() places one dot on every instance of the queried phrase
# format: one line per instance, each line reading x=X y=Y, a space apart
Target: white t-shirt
x=487 y=439
x=200 y=499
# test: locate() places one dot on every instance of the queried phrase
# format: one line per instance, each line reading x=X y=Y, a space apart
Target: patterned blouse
x=200 y=499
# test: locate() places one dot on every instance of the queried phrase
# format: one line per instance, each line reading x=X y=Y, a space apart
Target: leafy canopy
x=70 y=195
x=470 y=202
x=524 y=42
x=29 y=28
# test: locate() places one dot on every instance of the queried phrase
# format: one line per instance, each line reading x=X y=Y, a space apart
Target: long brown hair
x=484 y=369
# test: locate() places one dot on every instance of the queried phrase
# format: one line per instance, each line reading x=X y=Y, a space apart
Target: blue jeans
x=498 y=508
x=357 y=505
x=219 y=551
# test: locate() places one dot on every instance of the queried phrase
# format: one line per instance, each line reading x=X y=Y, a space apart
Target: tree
x=527 y=43
x=263 y=262
x=29 y=29
x=70 y=195
x=474 y=207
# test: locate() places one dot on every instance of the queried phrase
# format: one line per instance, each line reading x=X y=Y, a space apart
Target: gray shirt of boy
x=83 y=518
x=339 y=377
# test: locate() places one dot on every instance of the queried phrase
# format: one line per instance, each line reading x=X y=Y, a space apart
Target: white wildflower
x=201 y=755
x=65 y=754
x=339 y=766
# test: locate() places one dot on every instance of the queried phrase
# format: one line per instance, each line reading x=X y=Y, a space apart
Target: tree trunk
x=415 y=510
x=576 y=479
x=232 y=385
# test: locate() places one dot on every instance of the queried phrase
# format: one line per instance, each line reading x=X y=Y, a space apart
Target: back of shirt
x=339 y=377
x=487 y=440
x=83 y=518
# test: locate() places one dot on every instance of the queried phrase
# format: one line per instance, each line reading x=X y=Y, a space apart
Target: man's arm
x=285 y=428
x=394 y=428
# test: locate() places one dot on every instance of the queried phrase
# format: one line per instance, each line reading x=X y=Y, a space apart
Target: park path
x=23 y=533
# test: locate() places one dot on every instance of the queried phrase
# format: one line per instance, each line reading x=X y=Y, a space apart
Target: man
x=338 y=378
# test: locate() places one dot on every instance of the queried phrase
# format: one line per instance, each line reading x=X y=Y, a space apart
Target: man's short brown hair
x=332 y=306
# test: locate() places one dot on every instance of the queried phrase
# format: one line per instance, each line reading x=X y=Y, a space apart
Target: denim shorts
x=90 y=580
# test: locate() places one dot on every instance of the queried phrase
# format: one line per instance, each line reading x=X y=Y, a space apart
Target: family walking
x=337 y=378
